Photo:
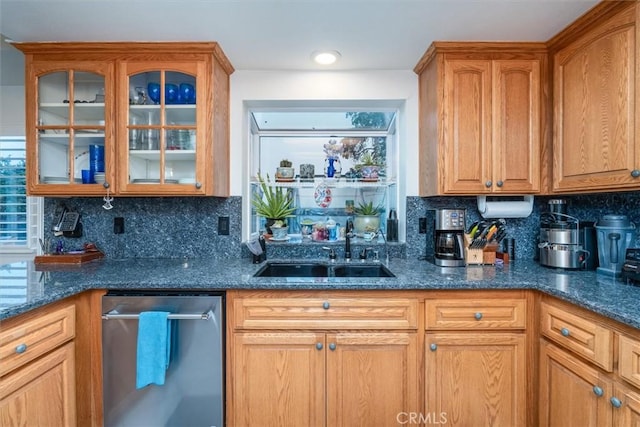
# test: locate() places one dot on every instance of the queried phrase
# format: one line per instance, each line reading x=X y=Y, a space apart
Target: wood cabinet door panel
x=372 y=378
x=583 y=336
x=475 y=314
x=476 y=379
x=326 y=313
x=467 y=126
x=567 y=397
x=516 y=126
x=42 y=393
x=38 y=336
x=277 y=379
x=627 y=415
x=595 y=137
x=629 y=359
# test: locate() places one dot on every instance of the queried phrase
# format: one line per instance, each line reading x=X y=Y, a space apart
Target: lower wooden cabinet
x=42 y=393
x=576 y=387
x=323 y=379
x=626 y=412
x=572 y=393
x=476 y=379
x=37 y=377
x=322 y=358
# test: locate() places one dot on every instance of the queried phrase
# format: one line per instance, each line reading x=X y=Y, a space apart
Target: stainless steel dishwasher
x=193 y=392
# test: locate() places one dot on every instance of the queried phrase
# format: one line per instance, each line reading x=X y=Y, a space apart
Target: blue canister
x=332 y=230
x=96 y=158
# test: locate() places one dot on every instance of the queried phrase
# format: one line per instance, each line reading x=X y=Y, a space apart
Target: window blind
x=20 y=215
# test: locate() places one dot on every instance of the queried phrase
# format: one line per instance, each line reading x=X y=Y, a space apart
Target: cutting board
x=68 y=258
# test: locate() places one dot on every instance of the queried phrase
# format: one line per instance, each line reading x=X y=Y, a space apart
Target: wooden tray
x=68 y=258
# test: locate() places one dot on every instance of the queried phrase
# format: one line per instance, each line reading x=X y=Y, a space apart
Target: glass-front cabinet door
x=71 y=126
x=160 y=126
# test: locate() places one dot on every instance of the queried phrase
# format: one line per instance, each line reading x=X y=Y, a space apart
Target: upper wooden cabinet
x=596 y=64
x=173 y=141
x=482 y=118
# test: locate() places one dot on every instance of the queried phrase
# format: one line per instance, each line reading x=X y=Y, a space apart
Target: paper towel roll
x=505 y=209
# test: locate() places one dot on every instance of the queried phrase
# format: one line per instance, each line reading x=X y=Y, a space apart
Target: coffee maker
x=564 y=241
x=445 y=240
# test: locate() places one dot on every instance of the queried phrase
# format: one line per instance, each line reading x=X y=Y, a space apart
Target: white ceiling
x=281 y=34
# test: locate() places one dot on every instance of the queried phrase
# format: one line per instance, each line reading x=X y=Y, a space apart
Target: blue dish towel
x=154 y=348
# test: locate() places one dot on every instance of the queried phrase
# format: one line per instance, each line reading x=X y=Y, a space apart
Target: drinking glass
x=187 y=95
x=170 y=93
x=153 y=90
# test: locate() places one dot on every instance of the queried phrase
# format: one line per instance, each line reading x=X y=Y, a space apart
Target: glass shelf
x=331 y=183
x=170 y=155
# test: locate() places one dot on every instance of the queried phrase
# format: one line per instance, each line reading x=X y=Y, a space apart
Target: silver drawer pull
x=565 y=332
x=21 y=348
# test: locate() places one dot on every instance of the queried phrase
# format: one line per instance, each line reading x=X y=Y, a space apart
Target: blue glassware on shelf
x=187 y=93
x=170 y=93
x=153 y=91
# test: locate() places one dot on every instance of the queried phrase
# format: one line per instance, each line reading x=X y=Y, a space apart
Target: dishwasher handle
x=173 y=316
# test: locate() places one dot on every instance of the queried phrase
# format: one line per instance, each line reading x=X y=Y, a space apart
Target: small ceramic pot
x=285 y=173
x=279 y=233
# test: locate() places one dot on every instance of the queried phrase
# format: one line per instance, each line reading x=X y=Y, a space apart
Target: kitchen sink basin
x=293 y=269
x=314 y=269
x=354 y=270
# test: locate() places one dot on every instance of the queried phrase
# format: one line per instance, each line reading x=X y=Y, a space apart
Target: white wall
x=324 y=88
x=12 y=111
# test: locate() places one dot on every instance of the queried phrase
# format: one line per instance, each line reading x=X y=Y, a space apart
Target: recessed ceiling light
x=325 y=57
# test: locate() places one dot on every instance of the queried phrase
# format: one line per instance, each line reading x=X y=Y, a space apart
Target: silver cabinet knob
x=488 y=184
x=319 y=346
x=478 y=316
x=565 y=332
x=326 y=305
x=106 y=184
x=499 y=183
x=615 y=402
x=332 y=346
x=21 y=348
x=597 y=391
x=433 y=347
x=635 y=173
x=198 y=185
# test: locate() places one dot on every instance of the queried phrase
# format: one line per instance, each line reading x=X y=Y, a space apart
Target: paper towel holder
x=507 y=207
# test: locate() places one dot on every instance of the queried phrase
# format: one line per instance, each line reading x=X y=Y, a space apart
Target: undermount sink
x=355 y=270
x=314 y=269
x=282 y=269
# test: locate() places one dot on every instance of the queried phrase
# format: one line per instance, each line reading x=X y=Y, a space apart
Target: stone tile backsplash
x=588 y=207
x=160 y=227
x=174 y=227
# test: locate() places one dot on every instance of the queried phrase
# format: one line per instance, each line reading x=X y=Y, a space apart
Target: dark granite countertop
x=601 y=294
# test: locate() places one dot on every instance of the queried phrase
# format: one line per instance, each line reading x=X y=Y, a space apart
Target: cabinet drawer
x=476 y=314
x=583 y=336
x=23 y=343
x=326 y=313
x=629 y=363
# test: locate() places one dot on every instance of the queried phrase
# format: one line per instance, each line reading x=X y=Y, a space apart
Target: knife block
x=479 y=256
x=472 y=256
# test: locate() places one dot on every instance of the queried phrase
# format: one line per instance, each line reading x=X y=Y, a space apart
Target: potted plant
x=285 y=172
x=272 y=203
x=368 y=166
x=366 y=219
